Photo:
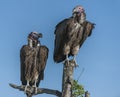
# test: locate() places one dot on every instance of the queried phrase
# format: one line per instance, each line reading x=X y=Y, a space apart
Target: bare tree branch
x=31 y=90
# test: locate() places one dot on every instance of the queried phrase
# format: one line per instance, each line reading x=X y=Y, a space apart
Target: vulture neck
x=77 y=18
x=80 y=18
x=33 y=44
x=30 y=44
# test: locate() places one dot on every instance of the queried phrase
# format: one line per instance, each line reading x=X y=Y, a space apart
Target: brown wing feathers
x=33 y=62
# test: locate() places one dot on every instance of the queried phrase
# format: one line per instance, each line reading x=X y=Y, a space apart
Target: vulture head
x=78 y=13
x=33 y=39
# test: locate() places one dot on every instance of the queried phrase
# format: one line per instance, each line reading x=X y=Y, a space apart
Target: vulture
x=33 y=58
x=70 y=34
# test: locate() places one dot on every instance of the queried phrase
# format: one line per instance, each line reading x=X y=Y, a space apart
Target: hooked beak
x=40 y=35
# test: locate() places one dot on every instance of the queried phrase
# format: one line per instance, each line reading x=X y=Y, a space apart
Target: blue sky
x=99 y=55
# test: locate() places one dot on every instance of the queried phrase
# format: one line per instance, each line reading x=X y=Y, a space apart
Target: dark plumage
x=33 y=58
x=70 y=34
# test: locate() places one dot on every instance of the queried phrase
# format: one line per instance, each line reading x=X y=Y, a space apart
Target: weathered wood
x=87 y=94
x=31 y=91
x=68 y=70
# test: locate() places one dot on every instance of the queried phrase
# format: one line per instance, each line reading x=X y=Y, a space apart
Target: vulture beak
x=40 y=35
x=78 y=10
x=36 y=35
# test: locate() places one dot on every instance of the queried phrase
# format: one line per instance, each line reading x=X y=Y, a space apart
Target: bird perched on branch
x=33 y=58
x=70 y=34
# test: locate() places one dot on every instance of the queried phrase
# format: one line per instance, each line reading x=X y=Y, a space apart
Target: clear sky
x=99 y=55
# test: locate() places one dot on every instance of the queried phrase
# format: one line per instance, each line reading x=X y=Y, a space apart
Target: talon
x=25 y=91
x=26 y=87
x=66 y=60
x=35 y=89
x=75 y=63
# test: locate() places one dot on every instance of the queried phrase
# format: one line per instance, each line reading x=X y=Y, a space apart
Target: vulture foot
x=35 y=89
x=25 y=91
x=75 y=63
x=66 y=62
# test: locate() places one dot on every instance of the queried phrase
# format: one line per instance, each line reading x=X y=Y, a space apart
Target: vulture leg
x=66 y=52
x=74 y=60
x=26 y=86
x=74 y=53
x=66 y=60
x=35 y=86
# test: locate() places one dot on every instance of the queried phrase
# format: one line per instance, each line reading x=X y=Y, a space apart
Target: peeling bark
x=68 y=70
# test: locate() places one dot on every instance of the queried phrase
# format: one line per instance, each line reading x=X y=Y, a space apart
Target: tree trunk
x=68 y=70
x=28 y=95
x=87 y=94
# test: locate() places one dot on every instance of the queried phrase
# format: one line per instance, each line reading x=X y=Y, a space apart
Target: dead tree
x=87 y=94
x=67 y=80
x=31 y=91
x=68 y=70
x=66 y=84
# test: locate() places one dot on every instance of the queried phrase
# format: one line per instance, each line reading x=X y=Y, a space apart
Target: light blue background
x=99 y=55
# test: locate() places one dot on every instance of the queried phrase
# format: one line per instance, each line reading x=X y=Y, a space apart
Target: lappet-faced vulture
x=33 y=58
x=70 y=34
